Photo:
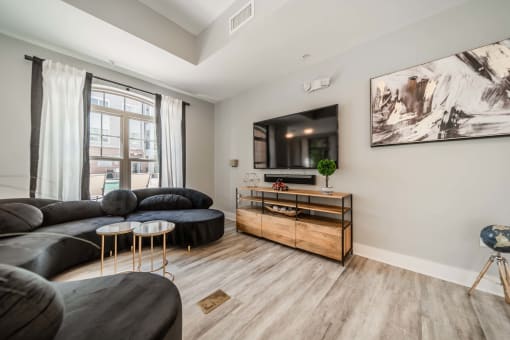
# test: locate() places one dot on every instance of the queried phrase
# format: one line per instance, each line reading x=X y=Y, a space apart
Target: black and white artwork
x=466 y=95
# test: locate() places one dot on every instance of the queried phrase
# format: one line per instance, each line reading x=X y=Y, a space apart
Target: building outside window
x=123 y=148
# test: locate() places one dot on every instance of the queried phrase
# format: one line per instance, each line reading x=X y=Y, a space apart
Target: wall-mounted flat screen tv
x=296 y=141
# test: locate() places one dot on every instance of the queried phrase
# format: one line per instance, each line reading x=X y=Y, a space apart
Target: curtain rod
x=27 y=57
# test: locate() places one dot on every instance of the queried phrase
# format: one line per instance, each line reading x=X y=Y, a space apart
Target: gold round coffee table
x=152 y=229
x=114 y=230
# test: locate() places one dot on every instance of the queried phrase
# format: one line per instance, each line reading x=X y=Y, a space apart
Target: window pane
x=95 y=145
x=104 y=177
x=142 y=142
x=95 y=123
x=111 y=125
x=111 y=147
x=148 y=110
x=150 y=150
x=133 y=105
x=150 y=131
x=97 y=98
x=142 y=149
x=144 y=175
x=135 y=129
x=136 y=148
x=114 y=101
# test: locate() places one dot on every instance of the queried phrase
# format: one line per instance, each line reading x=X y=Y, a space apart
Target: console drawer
x=279 y=229
x=249 y=221
x=320 y=239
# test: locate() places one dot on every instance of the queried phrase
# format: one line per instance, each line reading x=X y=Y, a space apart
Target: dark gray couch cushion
x=124 y=306
x=51 y=254
x=19 y=218
x=193 y=227
x=119 y=202
x=199 y=199
x=62 y=212
x=30 y=308
x=36 y=202
x=165 y=202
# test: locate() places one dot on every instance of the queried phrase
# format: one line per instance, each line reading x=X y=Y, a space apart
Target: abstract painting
x=463 y=96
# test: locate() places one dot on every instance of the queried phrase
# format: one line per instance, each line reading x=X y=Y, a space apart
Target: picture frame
x=463 y=96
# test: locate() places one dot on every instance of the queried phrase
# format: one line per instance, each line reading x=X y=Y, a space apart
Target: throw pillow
x=165 y=202
x=119 y=202
x=19 y=218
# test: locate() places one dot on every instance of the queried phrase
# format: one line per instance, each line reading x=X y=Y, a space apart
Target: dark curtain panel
x=36 y=98
x=183 y=129
x=85 y=177
x=157 y=107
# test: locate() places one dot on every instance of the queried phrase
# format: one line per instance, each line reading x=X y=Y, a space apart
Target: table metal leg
x=152 y=253
x=115 y=255
x=139 y=253
x=164 y=254
x=134 y=250
x=102 y=254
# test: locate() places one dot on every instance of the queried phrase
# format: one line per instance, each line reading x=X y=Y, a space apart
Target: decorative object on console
x=326 y=167
x=279 y=185
x=283 y=210
x=251 y=179
x=458 y=97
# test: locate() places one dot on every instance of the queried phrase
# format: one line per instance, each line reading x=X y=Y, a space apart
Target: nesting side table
x=114 y=230
x=152 y=229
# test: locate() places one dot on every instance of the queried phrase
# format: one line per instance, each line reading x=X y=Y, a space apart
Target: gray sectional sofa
x=50 y=246
x=47 y=237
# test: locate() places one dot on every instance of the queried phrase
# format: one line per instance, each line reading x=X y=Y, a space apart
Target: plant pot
x=327 y=190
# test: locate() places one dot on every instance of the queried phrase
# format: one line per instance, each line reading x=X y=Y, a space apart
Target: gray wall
x=428 y=201
x=15 y=78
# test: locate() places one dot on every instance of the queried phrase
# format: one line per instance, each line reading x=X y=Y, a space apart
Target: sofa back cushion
x=197 y=198
x=165 y=202
x=36 y=202
x=119 y=202
x=62 y=212
x=31 y=307
x=19 y=218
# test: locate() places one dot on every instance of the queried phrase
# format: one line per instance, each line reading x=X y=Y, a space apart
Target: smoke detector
x=241 y=17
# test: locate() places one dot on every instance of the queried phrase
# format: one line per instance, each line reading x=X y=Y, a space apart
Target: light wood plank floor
x=282 y=293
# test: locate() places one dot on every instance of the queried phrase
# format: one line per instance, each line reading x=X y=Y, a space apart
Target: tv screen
x=296 y=141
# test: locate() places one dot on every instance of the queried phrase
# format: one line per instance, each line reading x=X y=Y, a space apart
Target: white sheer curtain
x=171 y=142
x=61 y=139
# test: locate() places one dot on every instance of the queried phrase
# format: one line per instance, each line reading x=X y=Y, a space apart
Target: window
x=123 y=147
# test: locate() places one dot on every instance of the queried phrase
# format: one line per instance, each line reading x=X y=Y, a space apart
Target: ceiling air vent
x=241 y=17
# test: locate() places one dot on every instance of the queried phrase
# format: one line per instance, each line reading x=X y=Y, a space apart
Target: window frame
x=124 y=160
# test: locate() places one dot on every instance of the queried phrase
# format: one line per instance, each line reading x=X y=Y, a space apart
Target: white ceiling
x=270 y=46
x=192 y=15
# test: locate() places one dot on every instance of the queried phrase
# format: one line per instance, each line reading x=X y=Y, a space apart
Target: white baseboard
x=456 y=275
x=463 y=277
x=229 y=215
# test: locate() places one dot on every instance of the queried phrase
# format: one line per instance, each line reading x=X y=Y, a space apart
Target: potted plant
x=326 y=167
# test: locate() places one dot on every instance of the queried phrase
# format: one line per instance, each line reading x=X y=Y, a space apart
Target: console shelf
x=331 y=209
x=324 y=229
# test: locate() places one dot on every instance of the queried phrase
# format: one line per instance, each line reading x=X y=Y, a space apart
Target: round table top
x=154 y=228
x=118 y=228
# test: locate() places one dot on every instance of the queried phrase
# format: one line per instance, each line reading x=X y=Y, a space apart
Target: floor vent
x=241 y=17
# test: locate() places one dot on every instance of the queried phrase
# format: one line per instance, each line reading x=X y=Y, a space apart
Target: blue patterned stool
x=496 y=237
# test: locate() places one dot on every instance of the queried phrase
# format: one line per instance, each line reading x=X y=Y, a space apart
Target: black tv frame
x=292 y=114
